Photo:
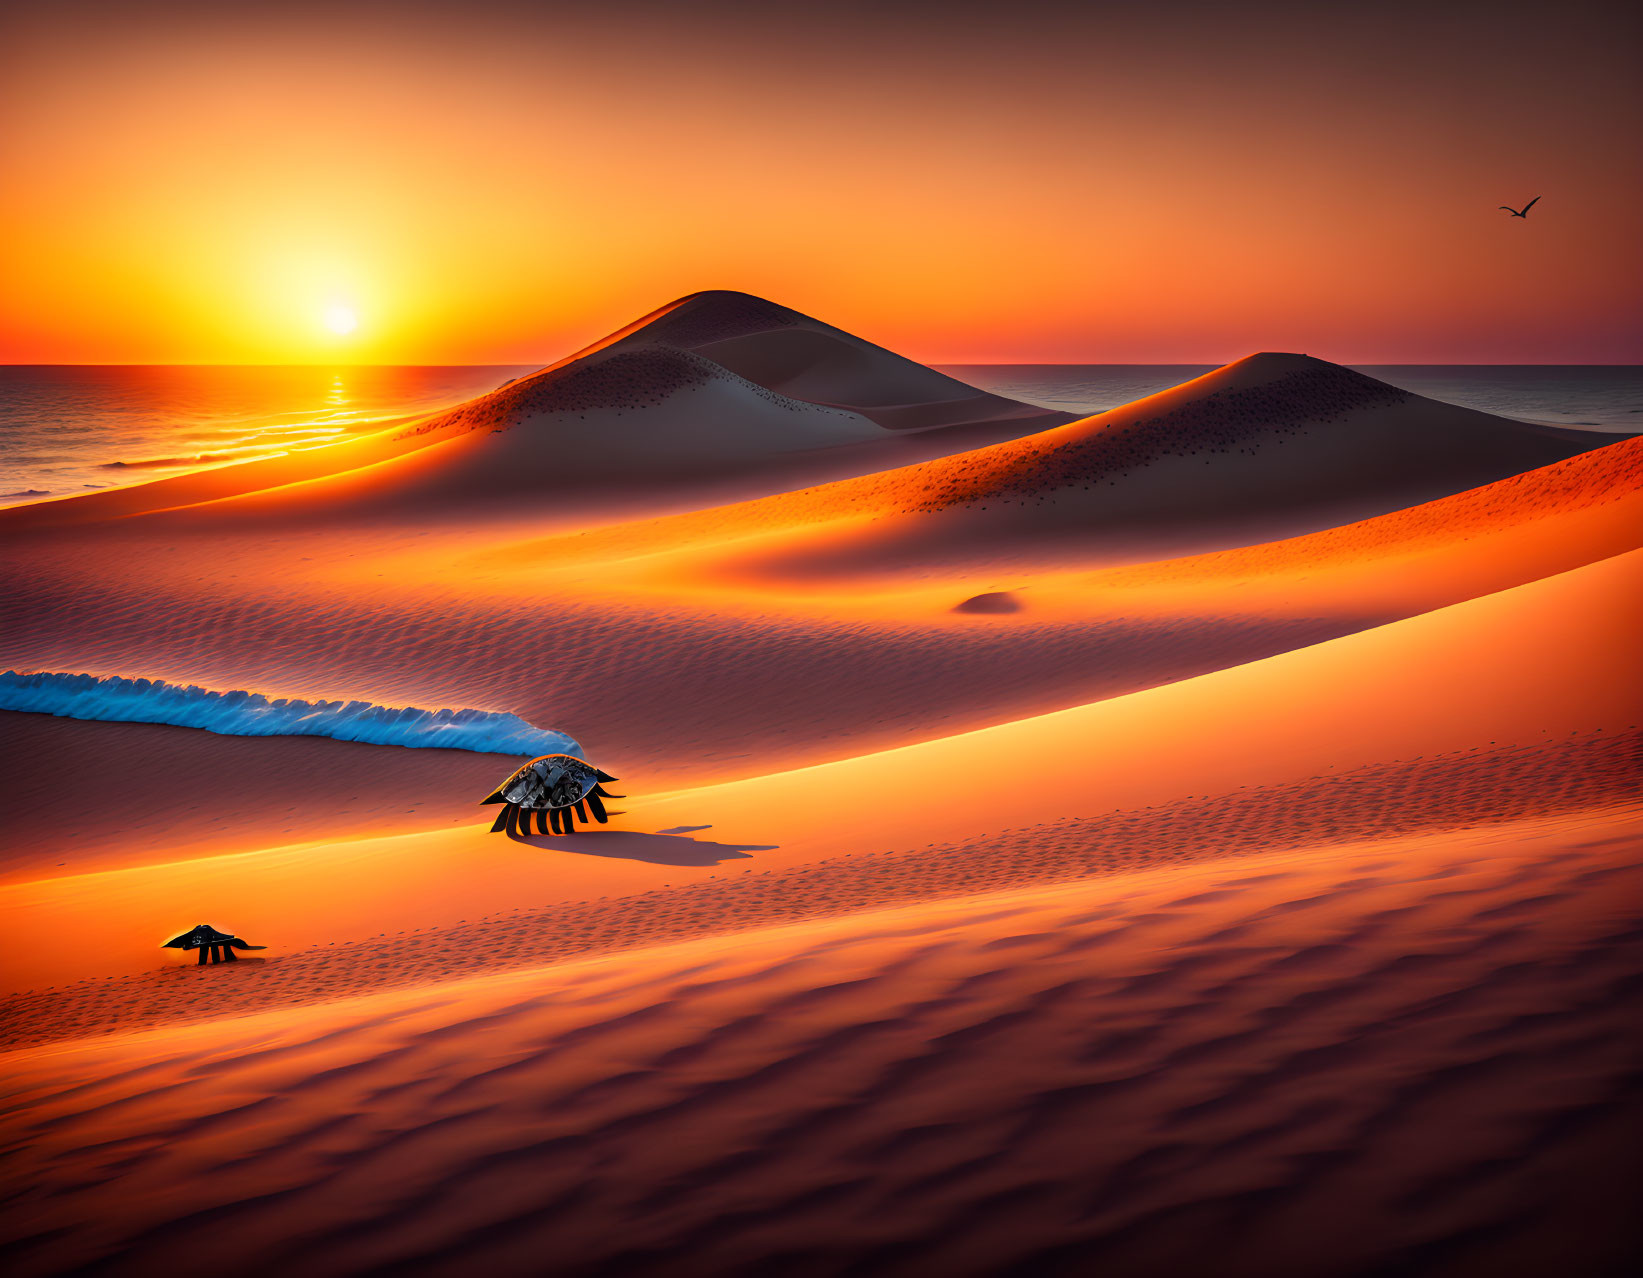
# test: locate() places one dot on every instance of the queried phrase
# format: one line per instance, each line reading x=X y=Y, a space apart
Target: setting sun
x=341 y=320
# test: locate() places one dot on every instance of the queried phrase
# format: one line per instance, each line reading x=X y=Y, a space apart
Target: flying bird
x=1524 y=212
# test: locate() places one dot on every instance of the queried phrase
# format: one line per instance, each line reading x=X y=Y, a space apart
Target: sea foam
x=250 y=714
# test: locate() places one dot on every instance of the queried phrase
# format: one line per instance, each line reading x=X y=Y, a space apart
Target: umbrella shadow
x=656 y=849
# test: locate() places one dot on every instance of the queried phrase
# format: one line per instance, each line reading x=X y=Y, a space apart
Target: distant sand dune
x=716 y=386
x=795 y=356
x=1039 y=515
x=1269 y=447
x=642 y=413
x=798 y=356
x=721 y=389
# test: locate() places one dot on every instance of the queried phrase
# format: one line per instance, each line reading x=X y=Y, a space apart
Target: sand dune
x=721 y=390
x=1420 y=1046
x=640 y=643
x=1267 y=448
x=797 y=356
x=712 y=389
x=714 y=392
x=1210 y=767
x=1588 y=779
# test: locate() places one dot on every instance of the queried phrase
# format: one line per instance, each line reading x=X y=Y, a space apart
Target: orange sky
x=962 y=182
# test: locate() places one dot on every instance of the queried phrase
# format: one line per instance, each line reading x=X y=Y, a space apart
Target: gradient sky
x=1015 y=182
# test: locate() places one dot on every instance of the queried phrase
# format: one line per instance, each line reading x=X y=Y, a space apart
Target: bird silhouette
x=1524 y=212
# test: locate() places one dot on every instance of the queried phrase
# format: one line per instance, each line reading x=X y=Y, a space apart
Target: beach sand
x=1199 y=838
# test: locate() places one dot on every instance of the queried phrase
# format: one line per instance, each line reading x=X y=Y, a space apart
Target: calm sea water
x=75 y=428
x=70 y=429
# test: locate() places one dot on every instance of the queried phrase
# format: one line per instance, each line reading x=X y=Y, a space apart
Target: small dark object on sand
x=553 y=787
x=206 y=939
x=994 y=602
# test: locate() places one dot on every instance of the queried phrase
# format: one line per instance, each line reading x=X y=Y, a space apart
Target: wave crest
x=250 y=714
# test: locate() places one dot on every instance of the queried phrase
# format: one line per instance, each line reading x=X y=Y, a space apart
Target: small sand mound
x=992 y=603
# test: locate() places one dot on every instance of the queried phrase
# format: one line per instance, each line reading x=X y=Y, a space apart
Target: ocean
x=76 y=428
x=69 y=429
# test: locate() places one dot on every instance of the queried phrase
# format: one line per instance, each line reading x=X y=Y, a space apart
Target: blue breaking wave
x=250 y=714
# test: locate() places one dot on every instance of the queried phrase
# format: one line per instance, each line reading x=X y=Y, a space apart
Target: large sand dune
x=1266 y=448
x=795 y=355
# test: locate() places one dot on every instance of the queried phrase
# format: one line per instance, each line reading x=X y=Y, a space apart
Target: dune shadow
x=657 y=849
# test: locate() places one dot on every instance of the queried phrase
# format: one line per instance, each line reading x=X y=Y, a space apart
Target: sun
x=341 y=320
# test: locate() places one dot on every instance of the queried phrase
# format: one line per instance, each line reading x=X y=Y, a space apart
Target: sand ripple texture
x=673 y=691
x=685 y=685
x=1457 y=790
x=740 y=692
x=1412 y=1058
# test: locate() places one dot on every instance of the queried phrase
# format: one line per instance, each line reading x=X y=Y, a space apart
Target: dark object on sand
x=554 y=787
x=994 y=602
x=206 y=939
x=1524 y=211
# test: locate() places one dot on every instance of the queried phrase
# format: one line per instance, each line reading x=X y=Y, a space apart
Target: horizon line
x=930 y=364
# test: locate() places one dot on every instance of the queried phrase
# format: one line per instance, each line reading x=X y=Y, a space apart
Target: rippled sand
x=1400 y=1056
